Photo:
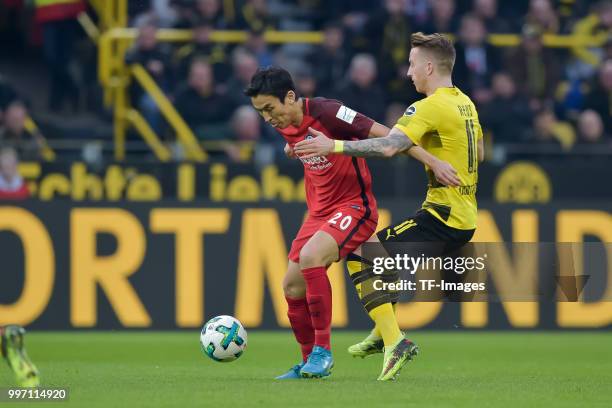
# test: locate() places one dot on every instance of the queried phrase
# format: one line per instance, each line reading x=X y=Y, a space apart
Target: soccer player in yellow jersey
x=445 y=124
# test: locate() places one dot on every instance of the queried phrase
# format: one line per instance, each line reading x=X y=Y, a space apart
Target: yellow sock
x=386 y=324
x=376 y=331
x=383 y=315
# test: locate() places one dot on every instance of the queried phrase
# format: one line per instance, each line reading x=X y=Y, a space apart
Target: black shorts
x=429 y=237
x=424 y=227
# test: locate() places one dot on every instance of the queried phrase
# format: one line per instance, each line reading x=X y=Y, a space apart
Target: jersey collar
x=448 y=90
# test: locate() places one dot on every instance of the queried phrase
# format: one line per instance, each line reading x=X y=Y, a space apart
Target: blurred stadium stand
x=161 y=80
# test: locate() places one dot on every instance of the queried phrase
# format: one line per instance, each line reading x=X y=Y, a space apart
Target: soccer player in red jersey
x=342 y=212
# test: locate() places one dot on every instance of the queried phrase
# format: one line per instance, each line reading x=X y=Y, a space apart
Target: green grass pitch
x=454 y=369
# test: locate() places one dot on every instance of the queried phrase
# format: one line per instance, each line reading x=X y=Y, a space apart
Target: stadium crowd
x=558 y=99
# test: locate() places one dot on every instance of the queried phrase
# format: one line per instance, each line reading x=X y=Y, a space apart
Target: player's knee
x=310 y=258
x=294 y=289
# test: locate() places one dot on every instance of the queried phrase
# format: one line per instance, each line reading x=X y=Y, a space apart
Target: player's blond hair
x=439 y=46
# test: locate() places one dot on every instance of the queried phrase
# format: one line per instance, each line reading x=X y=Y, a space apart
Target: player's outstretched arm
x=388 y=146
x=395 y=142
x=444 y=172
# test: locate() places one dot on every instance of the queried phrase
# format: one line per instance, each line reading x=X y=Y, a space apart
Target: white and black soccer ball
x=223 y=338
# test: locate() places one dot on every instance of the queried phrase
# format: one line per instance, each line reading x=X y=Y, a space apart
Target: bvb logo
x=523 y=183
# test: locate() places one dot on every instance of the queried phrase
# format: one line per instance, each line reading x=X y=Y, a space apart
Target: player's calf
x=320 y=250
x=297 y=309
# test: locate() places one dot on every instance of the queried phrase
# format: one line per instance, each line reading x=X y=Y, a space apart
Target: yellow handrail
x=89 y=27
x=45 y=150
x=136 y=119
x=115 y=76
x=183 y=131
x=128 y=35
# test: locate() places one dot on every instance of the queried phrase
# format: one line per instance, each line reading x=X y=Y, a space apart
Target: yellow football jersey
x=446 y=125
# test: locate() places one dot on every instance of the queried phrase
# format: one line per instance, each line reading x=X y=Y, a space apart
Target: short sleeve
x=342 y=122
x=415 y=122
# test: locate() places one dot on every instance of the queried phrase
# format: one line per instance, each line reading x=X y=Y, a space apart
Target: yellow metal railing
x=184 y=133
x=111 y=13
x=115 y=76
x=46 y=153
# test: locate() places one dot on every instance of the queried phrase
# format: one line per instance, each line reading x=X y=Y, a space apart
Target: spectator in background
x=476 y=59
x=254 y=15
x=388 y=36
x=591 y=130
x=154 y=58
x=536 y=68
x=361 y=92
x=60 y=30
x=211 y=11
x=254 y=143
x=165 y=11
x=330 y=59
x=548 y=131
x=244 y=67
x=305 y=83
x=246 y=130
x=600 y=97
x=542 y=15
x=597 y=23
x=393 y=113
x=256 y=44
x=400 y=89
x=487 y=11
x=204 y=109
x=352 y=13
x=203 y=48
x=13 y=131
x=585 y=61
x=442 y=18
x=507 y=116
x=185 y=13
x=12 y=186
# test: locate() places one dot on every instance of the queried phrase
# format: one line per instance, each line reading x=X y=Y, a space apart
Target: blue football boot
x=293 y=373
x=319 y=364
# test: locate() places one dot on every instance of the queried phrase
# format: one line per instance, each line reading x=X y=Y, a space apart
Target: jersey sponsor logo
x=467 y=190
x=317 y=163
x=410 y=111
x=346 y=114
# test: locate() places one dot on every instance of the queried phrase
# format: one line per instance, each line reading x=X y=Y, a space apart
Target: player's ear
x=430 y=68
x=290 y=97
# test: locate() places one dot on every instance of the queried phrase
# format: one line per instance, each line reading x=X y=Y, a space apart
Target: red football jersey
x=335 y=180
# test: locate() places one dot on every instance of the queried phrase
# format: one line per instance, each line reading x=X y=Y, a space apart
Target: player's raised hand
x=445 y=173
x=319 y=145
x=289 y=152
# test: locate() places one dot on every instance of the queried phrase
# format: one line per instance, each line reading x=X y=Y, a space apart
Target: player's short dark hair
x=273 y=81
x=439 y=46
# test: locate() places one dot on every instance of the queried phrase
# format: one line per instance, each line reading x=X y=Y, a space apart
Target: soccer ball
x=223 y=338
